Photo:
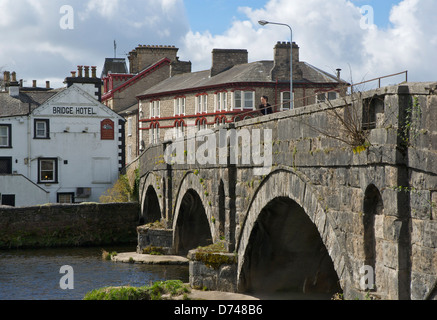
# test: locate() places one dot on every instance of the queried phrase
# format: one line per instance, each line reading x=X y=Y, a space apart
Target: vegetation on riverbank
x=160 y=290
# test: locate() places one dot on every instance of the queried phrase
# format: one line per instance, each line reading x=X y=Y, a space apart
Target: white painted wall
x=26 y=192
x=84 y=159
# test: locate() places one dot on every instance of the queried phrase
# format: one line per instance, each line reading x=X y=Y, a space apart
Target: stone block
x=422 y=285
x=430 y=234
x=420 y=204
x=206 y=271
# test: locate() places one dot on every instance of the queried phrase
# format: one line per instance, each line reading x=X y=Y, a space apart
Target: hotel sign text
x=74 y=110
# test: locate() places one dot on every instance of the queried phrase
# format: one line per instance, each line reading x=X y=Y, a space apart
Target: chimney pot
x=47 y=84
x=34 y=83
x=94 y=72
x=6 y=77
x=14 y=77
x=79 y=71
x=338 y=73
x=87 y=71
x=73 y=74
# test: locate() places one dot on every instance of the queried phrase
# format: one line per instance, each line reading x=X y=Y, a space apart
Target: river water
x=35 y=274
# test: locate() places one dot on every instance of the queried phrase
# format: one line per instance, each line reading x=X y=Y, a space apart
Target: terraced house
x=230 y=91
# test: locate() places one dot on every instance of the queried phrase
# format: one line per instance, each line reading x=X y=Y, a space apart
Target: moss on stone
x=215 y=255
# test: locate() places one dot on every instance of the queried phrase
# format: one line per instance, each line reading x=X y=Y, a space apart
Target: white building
x=57 y=146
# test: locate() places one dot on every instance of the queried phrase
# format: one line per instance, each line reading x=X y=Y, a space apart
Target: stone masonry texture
x=375 y=204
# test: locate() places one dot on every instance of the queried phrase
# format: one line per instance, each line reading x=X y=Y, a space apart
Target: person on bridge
x=265 y=107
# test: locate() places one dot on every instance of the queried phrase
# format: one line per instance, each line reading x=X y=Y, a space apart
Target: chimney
x=14 y=86
x=225 y=59
x=6 y=78
x=47 y=84
x=94 y=72
x=93 y=85
x=338 y=74
x=34 y=83
x=180 y=67
x=281 y=68
x=143 y=56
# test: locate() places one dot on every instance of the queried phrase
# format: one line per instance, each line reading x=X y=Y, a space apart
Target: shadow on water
x=35 y=274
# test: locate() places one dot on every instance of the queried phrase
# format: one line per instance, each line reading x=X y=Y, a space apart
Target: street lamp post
x=263 y=23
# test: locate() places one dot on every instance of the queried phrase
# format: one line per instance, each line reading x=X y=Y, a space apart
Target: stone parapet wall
x=68 y=225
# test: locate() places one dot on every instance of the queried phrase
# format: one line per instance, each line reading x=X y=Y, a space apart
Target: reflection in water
x=35 y=274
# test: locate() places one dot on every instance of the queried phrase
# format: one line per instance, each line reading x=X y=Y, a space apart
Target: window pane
x=237 y=99
x=224 y=101
x=41 y=129
x=199 y=104
x=205 y=104
x=332 y=95
x=65 y=198
x=248 y=100
x=47 y=170
x=4 y=139
x=285 y=100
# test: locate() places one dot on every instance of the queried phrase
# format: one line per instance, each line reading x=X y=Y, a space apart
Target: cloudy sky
x=43 y=40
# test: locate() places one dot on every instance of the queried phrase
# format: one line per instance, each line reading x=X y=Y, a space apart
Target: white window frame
x=243 y=101
x=40 y=171
x=221 y=101
x=155 y=109
x=154 y=133
x=179 y=106
x=283 y=101
x=202 y=104
x=5 y=137
x=38 y=129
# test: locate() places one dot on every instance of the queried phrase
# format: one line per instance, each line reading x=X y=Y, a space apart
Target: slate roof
x=115 y=65
x=259 y=71
x=25 y=103
x=130 y=110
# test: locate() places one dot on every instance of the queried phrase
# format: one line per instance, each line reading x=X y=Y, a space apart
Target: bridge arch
x=286 y=206
x=193 y=220
x=152 y=204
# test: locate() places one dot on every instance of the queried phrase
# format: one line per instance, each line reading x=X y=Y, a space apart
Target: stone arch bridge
x=306 y=200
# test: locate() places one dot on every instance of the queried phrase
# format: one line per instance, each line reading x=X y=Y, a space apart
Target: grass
x=154 y=292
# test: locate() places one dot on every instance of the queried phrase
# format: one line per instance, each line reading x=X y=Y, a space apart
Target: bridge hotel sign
x=74 y=111
x=107 y=126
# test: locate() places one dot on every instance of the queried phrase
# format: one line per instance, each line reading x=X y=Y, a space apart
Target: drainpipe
x=29 y=147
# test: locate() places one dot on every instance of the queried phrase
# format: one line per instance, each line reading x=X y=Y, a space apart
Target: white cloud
x=328 y=32
x=330 y=36
x=34 y=45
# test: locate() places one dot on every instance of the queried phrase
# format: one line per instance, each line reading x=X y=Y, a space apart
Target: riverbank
x=72 y=225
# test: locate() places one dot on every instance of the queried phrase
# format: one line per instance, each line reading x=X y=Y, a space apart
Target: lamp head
x=263 y=22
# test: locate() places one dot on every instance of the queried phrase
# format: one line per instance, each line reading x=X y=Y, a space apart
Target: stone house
x=230 y=91
x=148 y=65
